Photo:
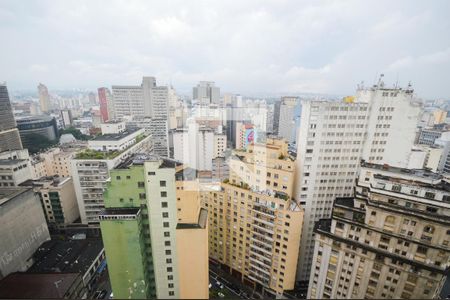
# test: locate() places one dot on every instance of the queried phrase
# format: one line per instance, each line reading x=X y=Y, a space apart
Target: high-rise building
x=106 y=105
x=254 y=226
x=206 y=93
x=439 y=116
x=427 y=136
x=288 y=119
x=276 y=116
x=146 y=100
x=91 y=168
x=153 y=250
x=92 y=98
x=158 y=129
x=9 y=135
x=197 y=146
x=378 y=125
x=66 y=116
x=148 y=106
x=391 y=240
x=44 y=98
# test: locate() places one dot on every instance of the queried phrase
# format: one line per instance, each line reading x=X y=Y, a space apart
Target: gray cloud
x=245 y=46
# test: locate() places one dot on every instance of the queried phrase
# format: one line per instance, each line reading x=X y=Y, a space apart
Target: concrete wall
x=23 y=229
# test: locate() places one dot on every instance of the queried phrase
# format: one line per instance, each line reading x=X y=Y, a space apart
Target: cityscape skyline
x=296 y=48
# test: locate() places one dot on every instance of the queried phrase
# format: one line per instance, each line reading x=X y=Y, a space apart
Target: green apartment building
x=139 y=230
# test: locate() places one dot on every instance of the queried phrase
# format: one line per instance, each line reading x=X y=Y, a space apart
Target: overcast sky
x=244 y=46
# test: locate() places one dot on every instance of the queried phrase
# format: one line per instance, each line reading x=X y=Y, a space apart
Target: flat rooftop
x=115 y=136
x=424 y=174
x=120 y=211
x=8 y=193
x=11 y=162
x=36 y=285
x=69 y=256
x=55 y=181
x=202 y=219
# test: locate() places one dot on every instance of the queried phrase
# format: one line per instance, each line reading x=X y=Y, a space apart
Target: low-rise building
x=58 y=199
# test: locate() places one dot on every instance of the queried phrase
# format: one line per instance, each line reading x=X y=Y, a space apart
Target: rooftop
x=202 y=219
x=52 y=180
x=11 y=162
x=8 y=193
x=36 y=285
x=422 y=173
x=69 y=256
x=141 y=158
x=115 y=136
x=34 y=119
x=186 y=174
x=120 y=211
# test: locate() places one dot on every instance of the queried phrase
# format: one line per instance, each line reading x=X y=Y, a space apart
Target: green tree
x=37 y=143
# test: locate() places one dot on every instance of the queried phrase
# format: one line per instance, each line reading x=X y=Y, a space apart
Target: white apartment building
x=116 y=141
x=286 y=125
x=377 y=126
x=157 y=128
x=90 y=173
x=197 y=146
x=394 y=114
x=112 y=127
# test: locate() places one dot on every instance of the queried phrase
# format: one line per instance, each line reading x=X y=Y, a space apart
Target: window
x=396 y=188
x=163 y=194
x=162 y=183
x=168 y=260
x=170 y=277
x=151 y=173
x=165 y=214
x=141 y=184
x=118 y=177
x=163 y=204
x=169 y=269
x=170 y=285
x=166 y=224
x=171 y=293
x=142 y=195
x=166 y=234
x=430 y=195
x=168 y=252
x=167 y=243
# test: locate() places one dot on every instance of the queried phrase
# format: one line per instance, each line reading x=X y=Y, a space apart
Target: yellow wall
x=192 y=248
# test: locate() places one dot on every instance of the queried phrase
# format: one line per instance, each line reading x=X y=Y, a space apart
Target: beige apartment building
x=389 y=241
x=254 y=225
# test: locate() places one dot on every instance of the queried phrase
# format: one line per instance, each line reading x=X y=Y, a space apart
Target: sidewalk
x=225 y=276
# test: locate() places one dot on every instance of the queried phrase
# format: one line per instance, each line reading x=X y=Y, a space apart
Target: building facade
x=9 y=135
x=90 y=172
x=288 y=118
x=23 y=228
x=254 y=226
x=389 y=241
x=206 y=93
x=377 y=125
x=44 y=98
x=141 y=224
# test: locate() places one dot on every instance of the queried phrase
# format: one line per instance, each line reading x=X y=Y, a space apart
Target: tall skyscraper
x=206 y=93
x=154 y=247
x=254 y=228
x=147 y=104
x=377 y=125
x=288 y=118
x=276 y=116
x=106 y=105
x=44 y=98
x=391 y=240
x=9 y=135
